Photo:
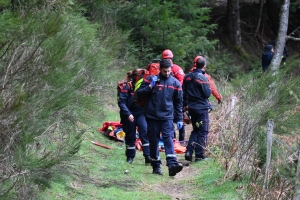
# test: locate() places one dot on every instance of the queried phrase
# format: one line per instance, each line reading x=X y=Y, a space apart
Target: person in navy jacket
x=132 y=116
x=163 y=95
x=266 y=57
x=196 y=91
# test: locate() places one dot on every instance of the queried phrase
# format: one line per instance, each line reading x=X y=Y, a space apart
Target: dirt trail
x=174 y=187
x=181 y=191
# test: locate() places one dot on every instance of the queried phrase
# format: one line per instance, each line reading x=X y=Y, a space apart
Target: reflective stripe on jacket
x=196 y=90
x=212 y=85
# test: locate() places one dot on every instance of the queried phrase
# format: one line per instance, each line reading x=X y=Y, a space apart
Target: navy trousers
x=130 y=137
x=198 y=138
x=166 y=128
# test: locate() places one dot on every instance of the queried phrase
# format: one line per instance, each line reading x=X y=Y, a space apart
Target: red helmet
x=167 y=54
x=195 y=60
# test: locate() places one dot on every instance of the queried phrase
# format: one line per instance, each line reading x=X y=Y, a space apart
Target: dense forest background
x=61 y=60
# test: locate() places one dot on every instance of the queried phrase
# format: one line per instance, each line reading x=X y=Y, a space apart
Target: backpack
x=144 y=73
x=153 y=67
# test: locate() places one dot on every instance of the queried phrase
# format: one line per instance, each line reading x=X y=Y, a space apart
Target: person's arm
x=122 y=101
x=184 y=91
x=145 y=89
x=180 y=76
x=177 y=103
x=213 y=88
x=178 y=73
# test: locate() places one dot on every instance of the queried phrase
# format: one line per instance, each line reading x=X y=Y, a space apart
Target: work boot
x=157 y=170
x=174 y=169
x=129 y=160
x=147 y=160
x=188 y=156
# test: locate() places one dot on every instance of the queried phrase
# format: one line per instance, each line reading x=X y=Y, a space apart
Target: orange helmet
x=195 y=60
x=167 y=53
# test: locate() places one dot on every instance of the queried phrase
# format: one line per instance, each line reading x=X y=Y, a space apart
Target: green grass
x=209 y=183
x=98 y=173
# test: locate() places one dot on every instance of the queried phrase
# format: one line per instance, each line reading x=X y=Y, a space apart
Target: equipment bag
x=139 y=80
x=154 y=67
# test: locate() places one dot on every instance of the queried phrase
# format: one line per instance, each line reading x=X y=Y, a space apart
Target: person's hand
x=219 y=99
x=153 y=81
x=131 y=118
x=185 y=108
x=210 y=107
x=179 y=125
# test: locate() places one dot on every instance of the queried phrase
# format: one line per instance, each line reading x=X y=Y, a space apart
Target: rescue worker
x=196 y=91
x=177 y=73
x=164 y=100
x=212 y=85
x=132 y=116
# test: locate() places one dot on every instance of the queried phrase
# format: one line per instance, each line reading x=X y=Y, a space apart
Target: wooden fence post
x=297 y=184
x=233 y=100
x=269 y=150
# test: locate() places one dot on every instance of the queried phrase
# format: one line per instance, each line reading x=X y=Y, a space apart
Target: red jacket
x=212 y=86
x=178 y=73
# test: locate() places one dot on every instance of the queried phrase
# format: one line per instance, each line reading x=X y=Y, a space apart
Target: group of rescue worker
x=168 y=95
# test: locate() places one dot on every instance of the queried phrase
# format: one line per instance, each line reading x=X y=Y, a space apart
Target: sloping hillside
x=253 y=45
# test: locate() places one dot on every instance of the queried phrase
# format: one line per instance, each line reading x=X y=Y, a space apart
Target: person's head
x=167 y=54
x=200 y=63
x=165 y=67
x=269 y=47
x=132 y=74
x=195 y=60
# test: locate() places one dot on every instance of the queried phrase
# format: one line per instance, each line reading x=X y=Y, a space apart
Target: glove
x=210 y=107
x=219 y=99
x=179 y=125
x=153 y=81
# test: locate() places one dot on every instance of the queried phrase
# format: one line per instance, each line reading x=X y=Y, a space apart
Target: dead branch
x=292 y=38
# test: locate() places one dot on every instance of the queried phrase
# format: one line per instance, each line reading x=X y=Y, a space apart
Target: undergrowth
x=101 y=173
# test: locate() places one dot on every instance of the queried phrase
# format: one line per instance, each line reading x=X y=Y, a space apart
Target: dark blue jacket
x=164 y=100
x=266 y=58
x=125 y=103
x=196 y=90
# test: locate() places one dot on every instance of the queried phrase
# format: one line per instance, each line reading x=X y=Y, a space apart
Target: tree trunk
x=261 y=5
x=233 y=19
x=281 y=38
x=270 y=126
